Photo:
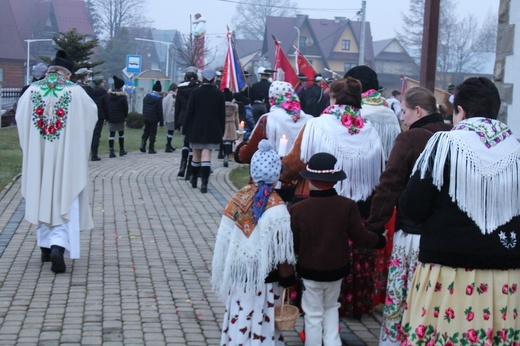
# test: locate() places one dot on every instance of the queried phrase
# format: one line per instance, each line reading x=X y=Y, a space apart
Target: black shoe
x=226 y=160
x=112 y=154
x=151 y=151
x=169 y=149
x=122 y=152
x=46 y=254
x=56 y=257
x=142 y=149
x=95 y=158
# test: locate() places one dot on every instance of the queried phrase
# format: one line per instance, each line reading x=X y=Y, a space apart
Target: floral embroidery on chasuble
x=240 y=208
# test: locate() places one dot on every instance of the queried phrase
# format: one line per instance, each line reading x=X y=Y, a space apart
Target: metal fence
x=10 y=95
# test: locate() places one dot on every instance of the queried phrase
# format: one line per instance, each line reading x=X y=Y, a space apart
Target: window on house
x=302 y=41
x=1 y=74
x=349 y=65
x=345 y=44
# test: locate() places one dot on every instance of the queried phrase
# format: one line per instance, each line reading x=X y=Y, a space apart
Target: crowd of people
x=343 y=207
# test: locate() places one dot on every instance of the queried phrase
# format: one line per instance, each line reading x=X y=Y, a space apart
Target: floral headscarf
x=373 y=98
x=282 y=94
x=349 y=116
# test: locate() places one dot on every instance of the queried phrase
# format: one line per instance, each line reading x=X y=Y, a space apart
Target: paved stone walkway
x=143 y=275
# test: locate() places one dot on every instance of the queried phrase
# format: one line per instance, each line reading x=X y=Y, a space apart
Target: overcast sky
x=384 y=15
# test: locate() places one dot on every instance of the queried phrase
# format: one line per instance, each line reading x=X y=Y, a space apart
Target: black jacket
x=181 y=102
x=262 y=87
x=315 y=100
x=152 y=108
x=98 y=95
x=116 y=106
x=205 y=115
x=449 y=237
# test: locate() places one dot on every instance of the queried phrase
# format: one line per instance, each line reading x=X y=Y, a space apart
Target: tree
x=186 y=52
x=93 y=16
x=114 y=52
x=461 y=42
x=78 y=49
x=112 y=15
x=251 y=16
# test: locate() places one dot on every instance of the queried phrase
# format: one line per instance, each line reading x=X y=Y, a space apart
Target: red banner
x=283 y=68
x=304 y=66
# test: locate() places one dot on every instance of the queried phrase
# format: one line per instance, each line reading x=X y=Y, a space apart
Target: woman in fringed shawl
x=464 y=189
x=284 y=118
x=342 y=132
x=254 y=256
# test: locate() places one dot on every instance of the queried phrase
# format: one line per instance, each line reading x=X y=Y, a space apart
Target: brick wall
x=14 y=72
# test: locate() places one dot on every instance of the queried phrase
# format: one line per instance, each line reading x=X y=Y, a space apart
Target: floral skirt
x=403 y=263
x=457 y=306
x=250 y=320
x=381 y=263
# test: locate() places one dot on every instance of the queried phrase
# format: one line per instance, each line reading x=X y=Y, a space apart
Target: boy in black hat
x=322 y=226
x=152 y=114
x=116 y=106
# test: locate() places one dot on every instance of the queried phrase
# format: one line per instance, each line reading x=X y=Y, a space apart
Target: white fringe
x=361 y=156
x=386 y=124
x=488 y=193
x=242 y=264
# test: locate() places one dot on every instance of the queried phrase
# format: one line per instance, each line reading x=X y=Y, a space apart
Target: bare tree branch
x=112 y=15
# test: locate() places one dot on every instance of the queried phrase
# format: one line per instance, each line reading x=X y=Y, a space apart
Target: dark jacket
x=152 y=108
x=259 y=109
x=205 y=115
x=98 y=95
x=116 y=106
x=407 y=147
x=88 y=89
x=322 y=225
x=262 y=87
x=181 y=102
x=449 y=237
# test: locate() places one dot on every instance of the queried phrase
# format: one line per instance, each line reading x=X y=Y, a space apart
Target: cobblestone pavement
x=143 y=275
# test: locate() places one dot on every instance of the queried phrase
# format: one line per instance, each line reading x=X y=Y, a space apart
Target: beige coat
x=232 y=122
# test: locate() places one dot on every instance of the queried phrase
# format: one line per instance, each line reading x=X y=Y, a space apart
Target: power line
x=300 y=8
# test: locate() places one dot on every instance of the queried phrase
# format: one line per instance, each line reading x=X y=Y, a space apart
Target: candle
x=241 y=127
x=282 y=146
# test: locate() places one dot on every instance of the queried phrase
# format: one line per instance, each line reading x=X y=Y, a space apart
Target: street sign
x=133 y=63
x=127 y=75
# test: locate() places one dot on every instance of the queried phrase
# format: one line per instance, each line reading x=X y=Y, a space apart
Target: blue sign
x=133 y=63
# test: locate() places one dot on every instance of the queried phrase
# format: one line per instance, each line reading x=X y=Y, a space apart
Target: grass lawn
x=11 y=155
x=240 y=176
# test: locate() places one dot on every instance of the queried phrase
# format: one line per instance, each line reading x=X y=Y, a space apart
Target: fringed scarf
x=279 y=123
x=245 y=252
x=375 y=109
x=484 y=161
x=359 y=154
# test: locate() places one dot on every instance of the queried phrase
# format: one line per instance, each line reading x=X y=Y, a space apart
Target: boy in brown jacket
x=322 y=226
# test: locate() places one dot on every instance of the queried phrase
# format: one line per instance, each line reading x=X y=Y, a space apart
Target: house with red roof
x=22 y=20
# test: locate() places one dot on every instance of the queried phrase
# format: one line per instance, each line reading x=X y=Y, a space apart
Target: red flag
x=283 y=68
x=304 y=66
x=232 y=75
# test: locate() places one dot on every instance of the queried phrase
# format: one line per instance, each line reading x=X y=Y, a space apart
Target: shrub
x=134 y=120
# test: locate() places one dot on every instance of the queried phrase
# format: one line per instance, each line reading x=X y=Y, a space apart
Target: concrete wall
x=507 y=65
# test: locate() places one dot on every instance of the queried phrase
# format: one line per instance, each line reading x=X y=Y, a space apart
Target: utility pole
x=429 y=43
x=361 y=55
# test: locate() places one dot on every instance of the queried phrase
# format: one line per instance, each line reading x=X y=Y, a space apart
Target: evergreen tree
x=78 y=49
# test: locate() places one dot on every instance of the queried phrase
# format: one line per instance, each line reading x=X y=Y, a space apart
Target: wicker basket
x=285 y=315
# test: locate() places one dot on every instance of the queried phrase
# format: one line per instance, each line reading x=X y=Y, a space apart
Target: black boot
x=221 y=151
x=94 y=155
x=184 y=161
x=204 y=173
x=151 y=149
x=227 y=152
x=46 y=254
x=122 y=151
x=169 y=148
x=111 y=147
x=142 y=148
x=56 y=256
x=188 y=168
x=195 y=170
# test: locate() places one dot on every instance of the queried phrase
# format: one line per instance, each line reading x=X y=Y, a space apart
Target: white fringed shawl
x=484 y=159
x=241 y=263
x=385 y=122
x=359 y=155
x=280 y=123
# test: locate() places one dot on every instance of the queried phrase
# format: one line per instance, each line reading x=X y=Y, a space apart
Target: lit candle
x=282 y=146
x=241 y=127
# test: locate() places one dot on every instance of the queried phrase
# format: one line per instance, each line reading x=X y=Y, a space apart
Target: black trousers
x=150 y=131
x=97 y=134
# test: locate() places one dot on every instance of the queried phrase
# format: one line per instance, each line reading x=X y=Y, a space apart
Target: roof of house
x=324 y=32
x=380 y=45
x=11 y=44
x=72 y=14
x=247 y=47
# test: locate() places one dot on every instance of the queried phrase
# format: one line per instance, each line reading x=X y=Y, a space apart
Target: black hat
x=365 y=75
x=98 y=80
x=321 y=167
x=246 y=73
x=118 y=82
x=302 y=77
x=62 y=60
x=157 y=86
